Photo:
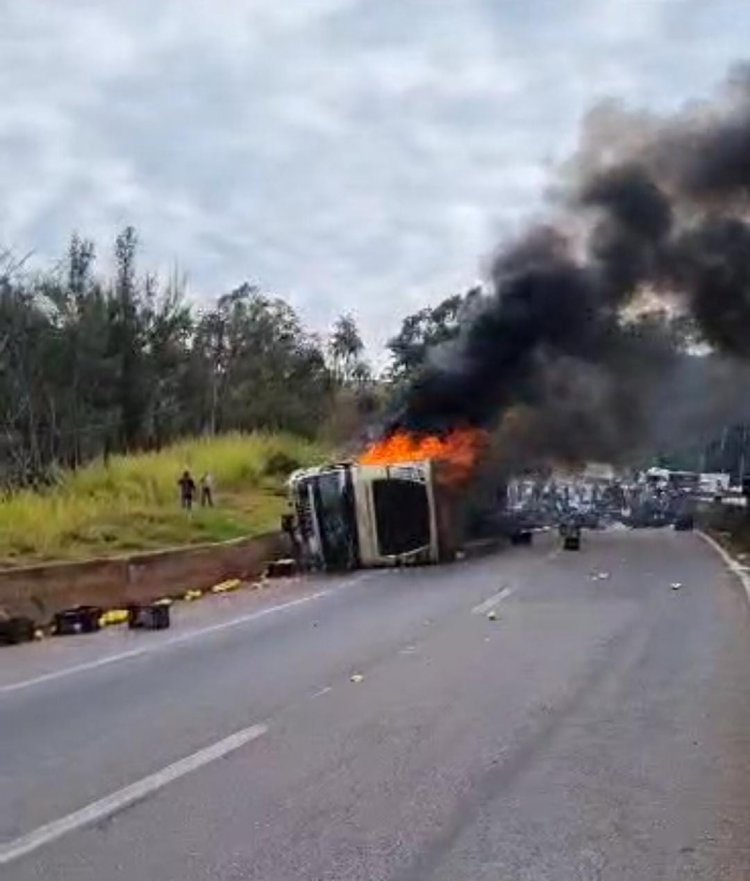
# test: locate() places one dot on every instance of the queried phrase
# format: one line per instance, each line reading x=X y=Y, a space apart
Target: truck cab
x=348 y=515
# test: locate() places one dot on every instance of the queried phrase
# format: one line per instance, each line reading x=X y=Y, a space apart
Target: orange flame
x=460 y=450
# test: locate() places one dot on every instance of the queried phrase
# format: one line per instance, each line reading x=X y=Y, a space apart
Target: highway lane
x=118 y=721
x=598 y=729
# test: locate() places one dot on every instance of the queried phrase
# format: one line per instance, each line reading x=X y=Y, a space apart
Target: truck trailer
x=349 y=516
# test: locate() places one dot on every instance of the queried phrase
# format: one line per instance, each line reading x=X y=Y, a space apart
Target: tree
x=167 y=326
x=346 y=348
x=257 y=366
x=92 y=365
x=427 y=328
x=128 y=340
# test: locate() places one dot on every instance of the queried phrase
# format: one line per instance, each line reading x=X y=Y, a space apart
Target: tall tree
x=345 y=348
x=427 y=328
x=259 y=367
x=127 y=340
x=91 y=365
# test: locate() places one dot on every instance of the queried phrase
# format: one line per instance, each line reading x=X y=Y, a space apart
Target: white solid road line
x=733 y=565
x=485 y=607
x=110 y=804
x=176 y=640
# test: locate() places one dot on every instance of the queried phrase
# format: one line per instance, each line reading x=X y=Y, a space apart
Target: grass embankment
x=132 y=502
x=730 y=526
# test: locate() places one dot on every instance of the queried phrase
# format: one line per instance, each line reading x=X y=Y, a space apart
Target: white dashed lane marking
x=493 y=601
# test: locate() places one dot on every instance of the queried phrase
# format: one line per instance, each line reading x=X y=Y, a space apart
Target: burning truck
x=408 y=500
x=350 y=515
x=401 y=503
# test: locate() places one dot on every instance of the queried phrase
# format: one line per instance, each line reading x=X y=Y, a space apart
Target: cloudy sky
x=358 y=155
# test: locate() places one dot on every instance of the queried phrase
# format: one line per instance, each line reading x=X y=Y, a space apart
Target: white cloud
x=344 y=153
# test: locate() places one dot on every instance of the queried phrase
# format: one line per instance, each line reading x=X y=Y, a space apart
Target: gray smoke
x=557 y=353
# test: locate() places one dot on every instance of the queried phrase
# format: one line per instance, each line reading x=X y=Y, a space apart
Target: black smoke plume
x=557 y=354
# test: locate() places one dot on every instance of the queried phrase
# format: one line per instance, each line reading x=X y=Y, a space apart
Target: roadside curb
x=39 y=592
x=734 y=566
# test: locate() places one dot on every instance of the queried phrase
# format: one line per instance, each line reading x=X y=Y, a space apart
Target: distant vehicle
x=687 y=481
x=714 y=483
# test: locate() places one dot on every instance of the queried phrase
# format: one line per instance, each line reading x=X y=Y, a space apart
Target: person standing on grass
x=207 y=490
x=187 y=490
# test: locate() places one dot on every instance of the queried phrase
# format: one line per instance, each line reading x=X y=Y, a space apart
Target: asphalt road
x=598 y=729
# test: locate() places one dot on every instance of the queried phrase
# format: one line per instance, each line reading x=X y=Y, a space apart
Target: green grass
x=132 y=502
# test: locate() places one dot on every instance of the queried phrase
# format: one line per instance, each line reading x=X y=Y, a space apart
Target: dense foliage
x=92 y=366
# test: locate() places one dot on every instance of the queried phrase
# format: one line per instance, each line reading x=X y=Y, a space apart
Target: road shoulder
x=735 y=567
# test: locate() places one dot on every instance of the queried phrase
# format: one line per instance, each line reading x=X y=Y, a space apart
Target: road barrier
x=40 y=592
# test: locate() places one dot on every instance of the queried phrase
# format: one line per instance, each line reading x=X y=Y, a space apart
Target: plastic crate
x=151 y=616
x=79 y=619
x=16 y=630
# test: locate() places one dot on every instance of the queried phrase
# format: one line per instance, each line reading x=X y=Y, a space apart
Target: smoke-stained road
x=598 y=729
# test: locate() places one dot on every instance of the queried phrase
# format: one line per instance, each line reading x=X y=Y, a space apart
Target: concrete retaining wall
x=40 y=591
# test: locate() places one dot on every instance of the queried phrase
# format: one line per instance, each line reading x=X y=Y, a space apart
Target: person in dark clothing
x=187 y=490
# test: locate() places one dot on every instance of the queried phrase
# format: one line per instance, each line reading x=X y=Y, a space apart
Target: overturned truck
x=347 y=515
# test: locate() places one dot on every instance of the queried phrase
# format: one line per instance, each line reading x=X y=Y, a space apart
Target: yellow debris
x=226 y=586
x=191 y=595
x=113 y=617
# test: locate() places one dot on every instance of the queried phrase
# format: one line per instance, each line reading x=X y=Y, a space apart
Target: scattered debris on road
x=16 y=630
x=226 y=586
x=356 y=677
x=79 y=619
x=492 y=615
x=113 y=617
x=676 y=585
x=282 y=568
x=148 y=616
